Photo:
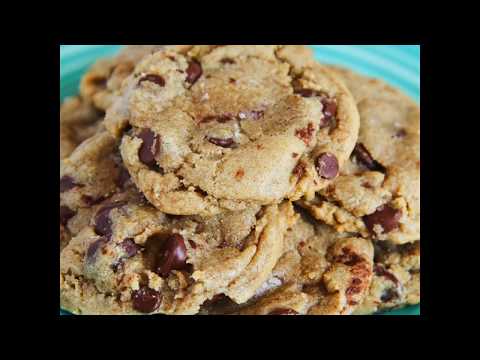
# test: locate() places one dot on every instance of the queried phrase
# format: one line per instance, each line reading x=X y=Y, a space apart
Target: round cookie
x=90 y=175
x=105 y=77
x=320 y=273
x=133 y=259
x=78 y=121
x=222 y=128
x=377 y=193
x=396 y=278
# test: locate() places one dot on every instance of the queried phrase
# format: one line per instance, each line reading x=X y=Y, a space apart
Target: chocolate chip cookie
x=377 y=193
x=320 y=272
x=105 y=77
x=396 y=278
x=133 y=259
x=224 y=128
x=90 y=175
x=79 y=120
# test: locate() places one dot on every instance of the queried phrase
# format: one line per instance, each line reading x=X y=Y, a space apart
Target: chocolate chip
x=99 y=81
x=156 y=79
x=173 y=255
x=381 y=271
x=130 y=247
x=93 y=248
x=329 y=111
x=67 y=183
x=146 y=300
x=200 y=228
x=103 y=223
x=192 y=244
x=401 y=133
x=227 y=61
x=327 y=165
x=363 y=157
x=389 y=295
x=223 y=118
x=232 y=81
x=305 y=134
x=66 y=214
x=226 y=143
x=283 y=311
x=194 y=71
x=92 y=200
x=348 y=258
x=299 y=170
x=122 y=178
x=385 y=216
x=150 y=147
x=306 y=92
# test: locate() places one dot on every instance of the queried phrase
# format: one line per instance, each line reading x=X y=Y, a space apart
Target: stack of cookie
x=203 y=179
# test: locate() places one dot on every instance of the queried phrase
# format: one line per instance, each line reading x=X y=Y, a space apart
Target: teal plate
x=398 y=65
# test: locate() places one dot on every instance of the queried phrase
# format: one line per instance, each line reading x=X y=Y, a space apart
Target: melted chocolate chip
x=329 y=111
x=150 y=147
x=93 y=249
x=348 y=258
x=299 y=170
x=227 y=61
x=306 y=133
x=381 y=271
x=194 y=71
x=223 y=118
x=401 y=133
x=146 y=300
x=99 y=81
x=226 y=143
x=67 y=183
x=173 y=255
x=92 y=200
x=66 y=214
x=103 y=223
x=385 y=216
x=363 y=157
x=156 y=79
x=283 y=311
x=122 y=178
x=327 y=166
x=389 y=295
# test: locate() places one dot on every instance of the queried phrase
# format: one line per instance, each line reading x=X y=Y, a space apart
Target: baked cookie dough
x=396 y=278
x=320 y=273
x=91 y=174
x=106 y=75
x=224 y=128
x=377 y=193
x=79 y=120
x=133 y=259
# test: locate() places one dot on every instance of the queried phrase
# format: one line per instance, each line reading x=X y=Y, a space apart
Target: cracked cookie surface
x=377 y=193
x=91 y=174
x=321 y=272
x=222 y=128
x=134 y=259
x=396 y=278
x=106 y=75
x=79 y=120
